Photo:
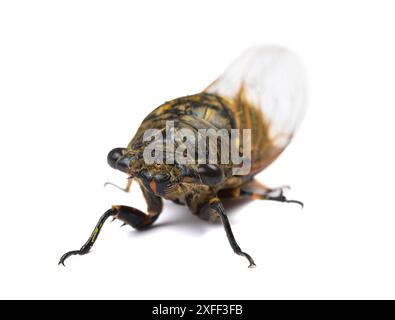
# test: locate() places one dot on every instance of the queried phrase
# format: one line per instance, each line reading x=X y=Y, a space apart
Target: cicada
x=243 y=121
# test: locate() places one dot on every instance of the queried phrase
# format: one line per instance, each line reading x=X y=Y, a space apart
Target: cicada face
x=168 y=181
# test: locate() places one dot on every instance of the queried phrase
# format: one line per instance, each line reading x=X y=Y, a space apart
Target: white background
x=77 y=78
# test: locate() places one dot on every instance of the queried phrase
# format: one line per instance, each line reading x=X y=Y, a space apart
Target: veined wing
x=272 y=79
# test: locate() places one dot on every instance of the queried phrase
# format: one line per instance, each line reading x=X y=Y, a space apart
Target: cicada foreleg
x=128 y=215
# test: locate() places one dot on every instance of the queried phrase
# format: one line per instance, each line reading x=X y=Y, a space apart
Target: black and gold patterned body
x=262 y=91
x=208 y=111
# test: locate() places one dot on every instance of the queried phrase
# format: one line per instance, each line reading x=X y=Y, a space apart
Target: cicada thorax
x=197 y=113
x=202 y=110
x=206 y=111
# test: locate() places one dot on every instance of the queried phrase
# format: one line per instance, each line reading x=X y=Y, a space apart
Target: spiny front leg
x=129 y=215
x=215 y=209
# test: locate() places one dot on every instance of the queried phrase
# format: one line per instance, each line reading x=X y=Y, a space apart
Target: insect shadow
x=180 y=216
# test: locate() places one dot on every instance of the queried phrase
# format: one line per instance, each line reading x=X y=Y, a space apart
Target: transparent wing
x=273 y=79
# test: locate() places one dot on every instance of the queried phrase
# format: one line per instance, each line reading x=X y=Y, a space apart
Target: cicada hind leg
x=255 y=190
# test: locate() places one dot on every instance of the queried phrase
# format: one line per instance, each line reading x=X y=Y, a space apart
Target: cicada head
x=159 y=179
x=164 y=179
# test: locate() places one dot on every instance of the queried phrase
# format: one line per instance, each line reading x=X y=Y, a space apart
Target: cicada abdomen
x=266 y=88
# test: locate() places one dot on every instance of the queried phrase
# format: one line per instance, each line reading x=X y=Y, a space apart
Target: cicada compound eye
x=114 y=156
